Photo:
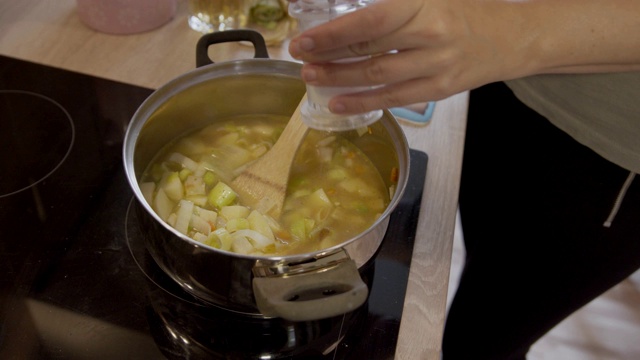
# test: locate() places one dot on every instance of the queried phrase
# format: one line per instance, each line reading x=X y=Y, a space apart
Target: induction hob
x=76 y=282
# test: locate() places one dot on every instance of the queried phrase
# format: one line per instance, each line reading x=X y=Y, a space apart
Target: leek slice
x=221 y=195
x=220 y=239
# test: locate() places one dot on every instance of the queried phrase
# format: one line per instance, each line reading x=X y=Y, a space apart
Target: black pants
x=532 y=202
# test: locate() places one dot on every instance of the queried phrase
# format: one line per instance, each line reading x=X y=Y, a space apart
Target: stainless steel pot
x=299 y=287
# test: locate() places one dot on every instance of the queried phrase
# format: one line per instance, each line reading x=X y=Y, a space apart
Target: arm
x=431 y=49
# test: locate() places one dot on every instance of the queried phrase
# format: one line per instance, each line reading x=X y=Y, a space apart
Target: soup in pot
x=334 y=191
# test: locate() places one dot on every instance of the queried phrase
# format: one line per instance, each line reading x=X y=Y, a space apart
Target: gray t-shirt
x=601 y=111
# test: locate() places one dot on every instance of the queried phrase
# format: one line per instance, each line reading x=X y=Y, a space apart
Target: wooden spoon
x=263 y=184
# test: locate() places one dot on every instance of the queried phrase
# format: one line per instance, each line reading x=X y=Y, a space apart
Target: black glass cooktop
x=76 y=282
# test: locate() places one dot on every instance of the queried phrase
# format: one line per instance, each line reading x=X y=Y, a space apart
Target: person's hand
x=430 y=49
x=421 y=50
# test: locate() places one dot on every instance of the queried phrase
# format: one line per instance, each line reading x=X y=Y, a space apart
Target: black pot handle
x=202 y=47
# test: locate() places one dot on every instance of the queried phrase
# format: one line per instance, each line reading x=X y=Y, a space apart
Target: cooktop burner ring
x=38 y=148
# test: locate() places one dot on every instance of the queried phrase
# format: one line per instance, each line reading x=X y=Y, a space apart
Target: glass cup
x=208 y=16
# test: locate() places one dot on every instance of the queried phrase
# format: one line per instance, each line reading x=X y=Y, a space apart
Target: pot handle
x=311 y=295
x=202 y=47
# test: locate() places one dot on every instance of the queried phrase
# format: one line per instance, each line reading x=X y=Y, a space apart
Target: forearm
x=576 y=36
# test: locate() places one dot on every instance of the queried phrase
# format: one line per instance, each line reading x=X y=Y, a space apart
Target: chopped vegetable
x=237 y=224
x=184 y=173
x=241 y=245
x=185 y=209
x=209 y=178
x=334 y=192
x=234 y=212
x=220 y=239
x=163 y=205
x=258 y=240
x=259 y=223
x=183 y=160
x=172 y=186
x=221 y=195
x=200 y=225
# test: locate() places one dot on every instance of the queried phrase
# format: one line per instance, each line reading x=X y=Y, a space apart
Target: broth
x=334 y=192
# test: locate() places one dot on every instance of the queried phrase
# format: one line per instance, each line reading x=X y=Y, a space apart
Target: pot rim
x=234 y=68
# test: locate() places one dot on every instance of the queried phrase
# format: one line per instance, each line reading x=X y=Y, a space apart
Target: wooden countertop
x=50 y=33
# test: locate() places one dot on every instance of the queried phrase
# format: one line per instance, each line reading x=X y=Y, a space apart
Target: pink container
x=125 y=16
